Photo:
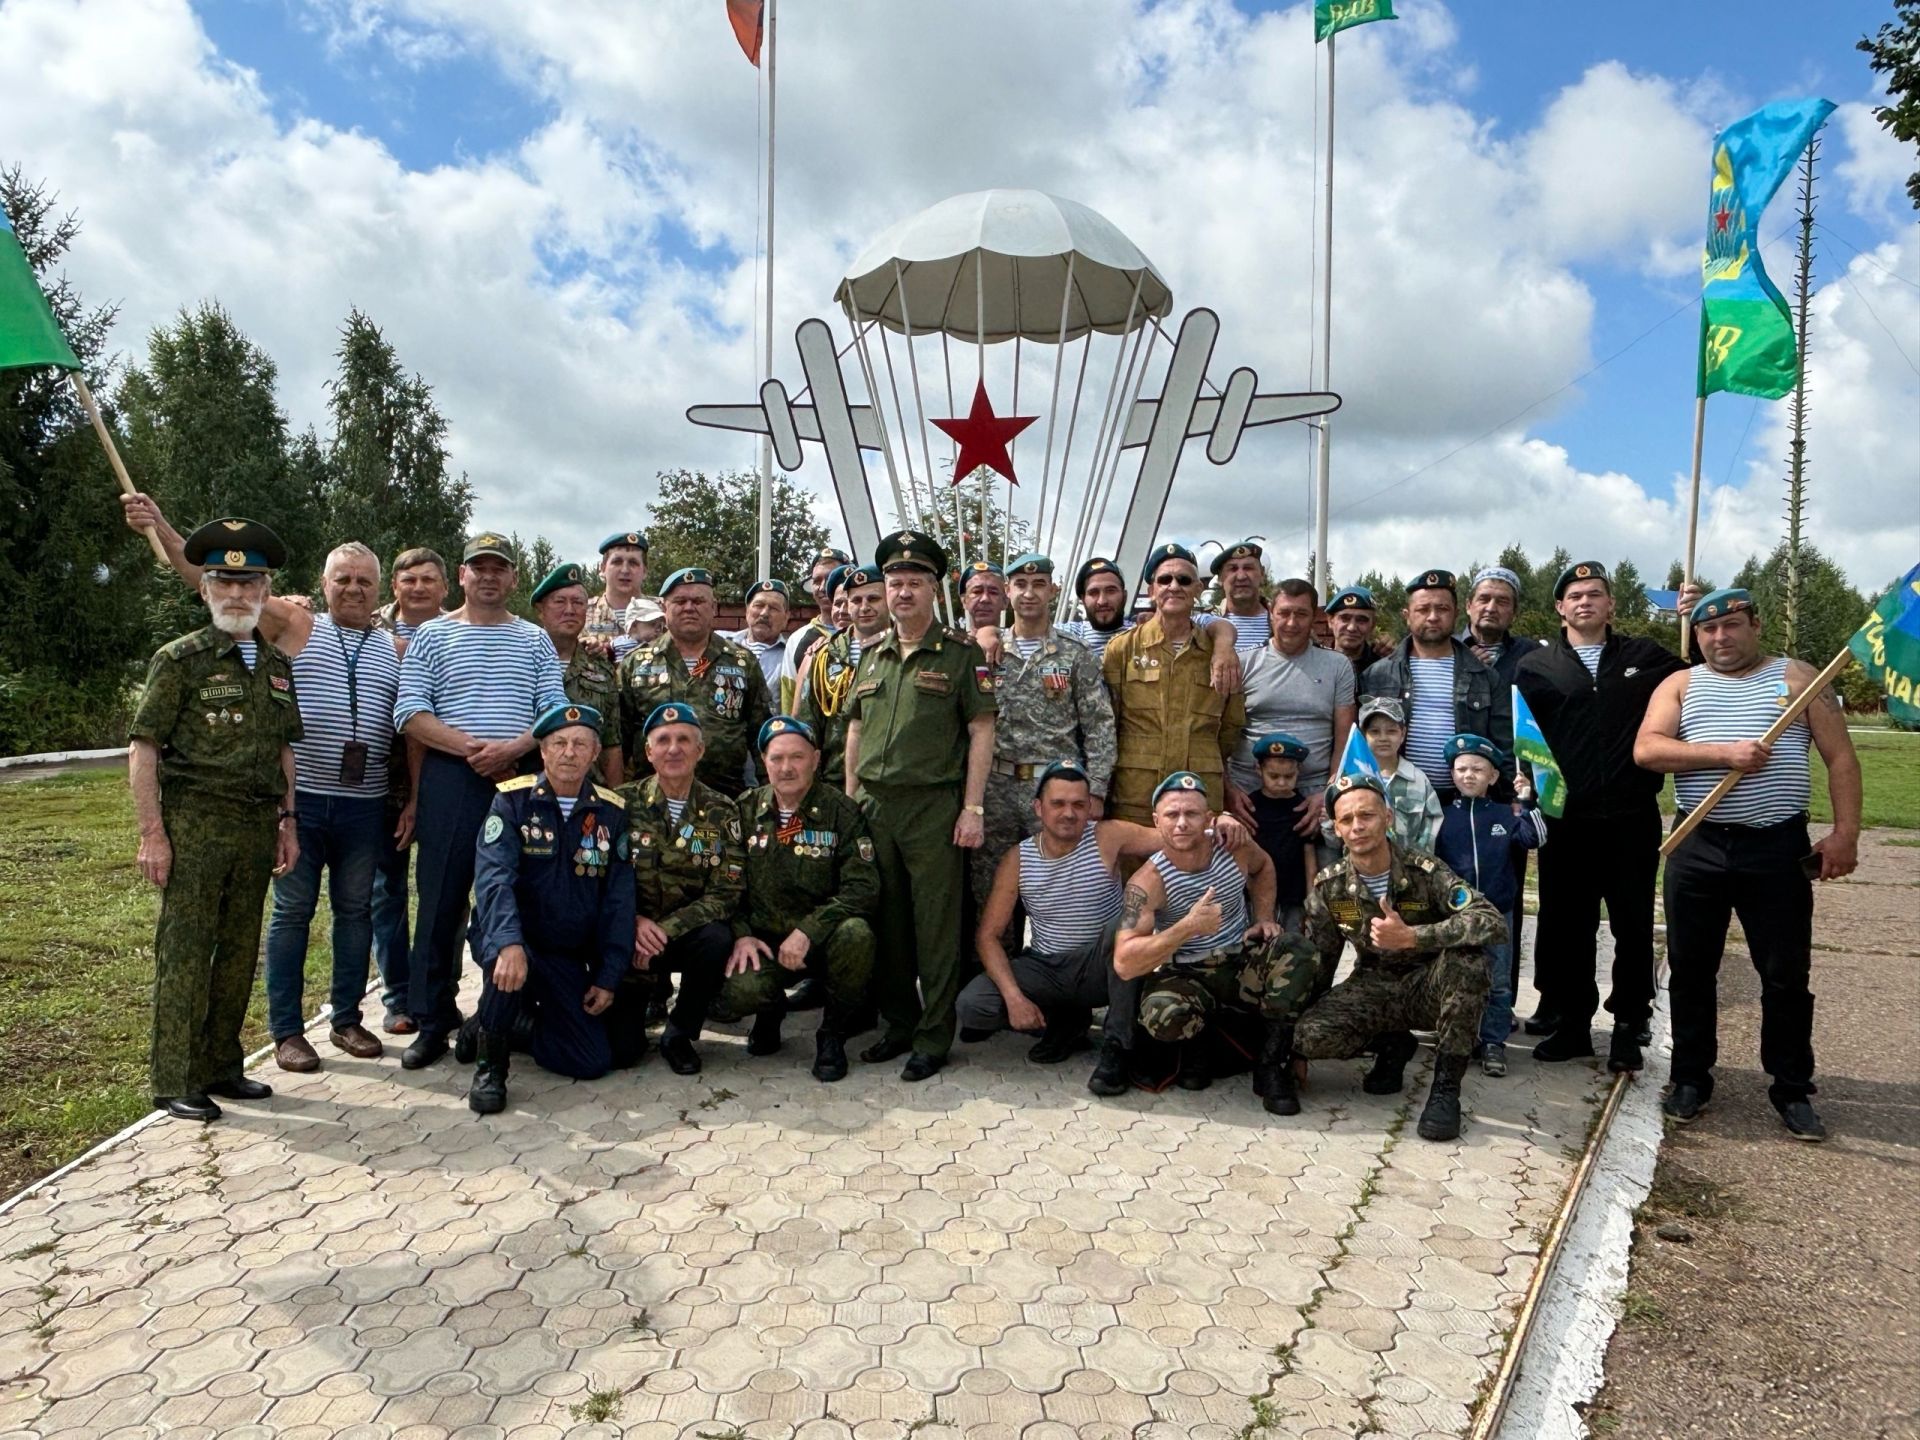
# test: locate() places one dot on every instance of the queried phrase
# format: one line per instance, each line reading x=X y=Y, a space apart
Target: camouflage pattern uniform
x=1442 y=986
x=1052 y=706
x=824 y=700
x=1273 y=981
x=590 y=680
x=603 y=622
x=724 y=688
x=220 y=730
x=817 y=875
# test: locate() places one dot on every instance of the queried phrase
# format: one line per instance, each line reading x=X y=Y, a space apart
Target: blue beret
x=1031 y=564
x=1582 y=570
x=1354 y=597
x=1098 y=565
x=772 y=587
x=1473 y=745
x=839 y=557
x=672 y=713
x=1169 y=551
x=687 y=575
x=561 y=716
x=835 y=578
x=1352 y=781
x=1181 y=780
x=975 y=568
x=854 y=576
x=241 y=546
x=1062 y=770
x=1245 y=550
x=1286 y=746
x=559 y=578
x=625 y=537
x=783 y=725
x=1718 y=604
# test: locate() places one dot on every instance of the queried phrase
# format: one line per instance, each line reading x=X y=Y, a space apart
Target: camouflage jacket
x=1053 y=705
x=1444 y=911
x=811 y=875
x=219 y=726
x=690 y=874
x=589 y=680
x=725 y=689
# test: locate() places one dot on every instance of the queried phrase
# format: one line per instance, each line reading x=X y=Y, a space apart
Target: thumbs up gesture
x=1390 y=932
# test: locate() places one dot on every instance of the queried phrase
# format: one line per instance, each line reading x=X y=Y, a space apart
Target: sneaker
x=1569 y=1042
x=1801 y=1121
x=1493 y=1060
x=1684 y=1103
x=1623 y=1051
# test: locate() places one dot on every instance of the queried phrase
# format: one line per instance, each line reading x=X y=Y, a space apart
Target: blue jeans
x=341 y=834
x=1496 y=1021
x=392 y=936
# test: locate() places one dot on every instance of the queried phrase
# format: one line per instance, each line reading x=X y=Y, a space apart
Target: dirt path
x=1794 y=1307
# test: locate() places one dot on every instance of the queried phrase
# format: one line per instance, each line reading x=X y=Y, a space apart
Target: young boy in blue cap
x=1277 y=807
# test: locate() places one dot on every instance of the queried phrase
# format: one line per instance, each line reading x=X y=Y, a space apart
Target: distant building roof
x=1664 y=600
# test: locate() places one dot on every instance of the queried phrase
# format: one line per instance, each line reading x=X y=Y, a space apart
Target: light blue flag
x=1357 y=759
x=1530 y=745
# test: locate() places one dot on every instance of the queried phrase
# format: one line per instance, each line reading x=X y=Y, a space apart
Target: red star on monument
x=983 y=437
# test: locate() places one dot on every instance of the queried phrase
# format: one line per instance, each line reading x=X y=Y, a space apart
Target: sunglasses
x=1183 y=581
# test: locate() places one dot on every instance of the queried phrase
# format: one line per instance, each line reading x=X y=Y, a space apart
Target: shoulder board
x=733 y=649
x=1337 y=870
x=612 y=797
x=187 y=645
x=1418 y=860
x=518 y=782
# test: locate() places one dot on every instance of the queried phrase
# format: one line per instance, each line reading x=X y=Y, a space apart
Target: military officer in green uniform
x=688 y=872
x=813 y=890
x=560 y=609
x=211 y=768
x=1419 y=931
x=691 y=664
x=918 y=751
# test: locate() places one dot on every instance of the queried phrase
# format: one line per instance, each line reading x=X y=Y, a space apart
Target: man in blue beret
x=765 y=635
x=1350 y=617
x=623 y=570
x=1752 y=857
x=560 y=608
x=1242 y=577
x=553 y=911
x=824 y=697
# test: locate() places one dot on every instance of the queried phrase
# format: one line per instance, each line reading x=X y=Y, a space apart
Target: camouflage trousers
x=1274 y=981
x=208 y=942
x=1445 y=994
x=1008 y=821
x=845 y=961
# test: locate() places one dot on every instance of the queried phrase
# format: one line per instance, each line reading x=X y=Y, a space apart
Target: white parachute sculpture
x=954 y=284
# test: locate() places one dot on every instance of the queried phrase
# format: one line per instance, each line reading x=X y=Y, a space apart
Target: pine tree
x=713 y=521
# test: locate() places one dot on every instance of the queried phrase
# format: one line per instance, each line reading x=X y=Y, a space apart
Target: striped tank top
x=347 y=681
x=1069 y=901
x=1719 y=709
x=1184 y=889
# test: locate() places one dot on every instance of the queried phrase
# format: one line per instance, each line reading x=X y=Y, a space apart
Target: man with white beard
x=212 y=771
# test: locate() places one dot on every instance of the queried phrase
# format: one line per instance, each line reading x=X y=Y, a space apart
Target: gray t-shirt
x=1297 y=694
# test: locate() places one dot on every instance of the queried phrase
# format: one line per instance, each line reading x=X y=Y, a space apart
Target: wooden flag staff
x=1774 y=731
x=113 y=456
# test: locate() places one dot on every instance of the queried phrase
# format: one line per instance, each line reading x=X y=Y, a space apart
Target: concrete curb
x=61 y=759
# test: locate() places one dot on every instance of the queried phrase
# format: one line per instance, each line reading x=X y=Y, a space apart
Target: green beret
x=783 y=725
x=561 y=716
x=1719 y=604
x=487 y=542
x=671 y=713
x=1098 y=565
x=1584 y=570
x=769 y=587
x=1352 y=781
x=1465 y=744
x=838 y=557
x=1062 y=770
x=626 y=537
x=852 y=577
x=686 y=575
x=1431 y=580
x=1169 y=551
x=910 y=549
x=1032 y=564
x=1180 y=780
x=1354 y=597
x=1245 y=550
x=243 y=547
x=1278 y=742
x=559 y=578
x=974 y=569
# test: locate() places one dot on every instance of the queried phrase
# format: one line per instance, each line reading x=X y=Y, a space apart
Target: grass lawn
x=76 y=971
x=1889 y=776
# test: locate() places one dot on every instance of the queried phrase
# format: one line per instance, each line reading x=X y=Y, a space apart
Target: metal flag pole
x=1693 y=515
x=765 y=552
x=1323 y=458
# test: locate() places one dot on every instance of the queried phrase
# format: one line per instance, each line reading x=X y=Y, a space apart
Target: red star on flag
x=1720 y=218
x=983 y=437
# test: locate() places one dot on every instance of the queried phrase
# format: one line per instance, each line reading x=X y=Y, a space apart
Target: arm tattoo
x=1830 y=697
x=1132 y=903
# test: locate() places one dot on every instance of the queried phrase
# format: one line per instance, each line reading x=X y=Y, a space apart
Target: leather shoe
x=1684 y=1103
x=1543 y=1022
x=1801 y=1121
x=427 y=1047
x=829 y=1057
x=398 y=1022
x=764 y=1038
x=679 y=1054
x=1569 y=1042
x=190 y=1107
x=884 y=1049
x=296 y=1054
x=241 y=1087
x=921 y=1067
x=358 y=1042
x=1195 y=1072
x=1623 y=1051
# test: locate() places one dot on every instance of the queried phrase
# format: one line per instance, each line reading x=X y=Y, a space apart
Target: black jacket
x=1590 y=721
x=1481 y=704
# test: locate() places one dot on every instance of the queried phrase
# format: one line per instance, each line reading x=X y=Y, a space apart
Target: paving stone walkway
x=993 y=1253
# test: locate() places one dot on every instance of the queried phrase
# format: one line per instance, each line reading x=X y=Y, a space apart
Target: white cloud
x=531 y=287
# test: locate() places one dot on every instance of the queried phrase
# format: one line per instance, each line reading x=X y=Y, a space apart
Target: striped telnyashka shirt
x=1071 y=900
x=490 y=681
x=1250 y=632
x=1719 y=709
x=1184 y=889
x=1430 y=718
x=334 y=712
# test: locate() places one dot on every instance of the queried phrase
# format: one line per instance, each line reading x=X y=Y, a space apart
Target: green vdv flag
x=29 y=335
x=1332 y=16
x=1746 y=329
x=1888 y=648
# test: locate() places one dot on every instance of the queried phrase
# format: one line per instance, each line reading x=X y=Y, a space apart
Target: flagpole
x=113 y=457
x=1693 y=515
x=1322 y=456
x=765 y=555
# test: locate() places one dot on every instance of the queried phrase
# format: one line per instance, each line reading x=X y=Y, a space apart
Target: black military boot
x=488 y=1094
x=829 y=1057
x=764 y=1038
x=1623 y=1051
x=1109 y=1076
x=1066 y=1034
x=1391 y=1052
x=466 y=1040
x=1441 y=1119
x=1273 y=1071
x=1196 y=1066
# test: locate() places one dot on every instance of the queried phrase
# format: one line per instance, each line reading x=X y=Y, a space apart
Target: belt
x=1020 y=772
x=1734 y=827
x=1212 y=960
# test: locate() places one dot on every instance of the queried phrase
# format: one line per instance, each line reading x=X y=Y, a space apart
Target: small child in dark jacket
x=1477 y=839
x=1277 y=811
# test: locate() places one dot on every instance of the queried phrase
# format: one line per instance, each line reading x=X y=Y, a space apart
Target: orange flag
x=745 y=17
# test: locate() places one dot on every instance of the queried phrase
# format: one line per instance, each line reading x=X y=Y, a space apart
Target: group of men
x=630 y=818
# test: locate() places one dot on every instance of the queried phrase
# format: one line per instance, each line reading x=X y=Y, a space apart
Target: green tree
x=713 y=521
x=74 y=576
x=531 y=564
x=969 y=527
x=1830 y=608
x=1895 y=49
x=389 y=483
